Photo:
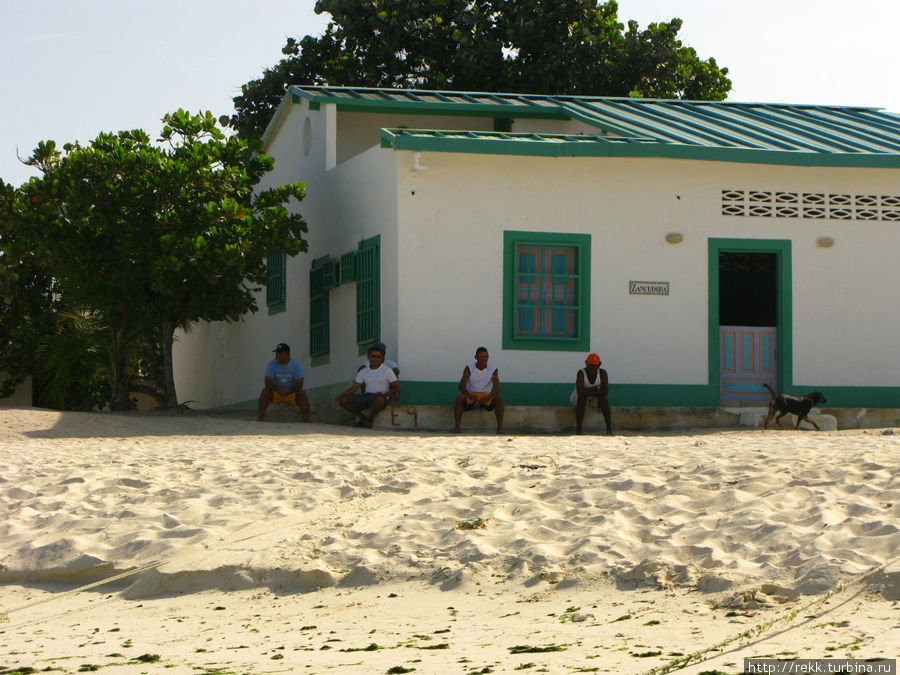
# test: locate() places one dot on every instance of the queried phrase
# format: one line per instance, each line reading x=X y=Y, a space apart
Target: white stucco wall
x=21 y=397
x=452 y=220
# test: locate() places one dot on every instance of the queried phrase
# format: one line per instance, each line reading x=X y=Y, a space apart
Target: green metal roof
x=803 y=135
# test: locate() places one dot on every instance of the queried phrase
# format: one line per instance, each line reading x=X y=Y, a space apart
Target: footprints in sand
x=669 y=510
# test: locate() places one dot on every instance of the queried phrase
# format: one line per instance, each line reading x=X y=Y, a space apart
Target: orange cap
x=592 y=360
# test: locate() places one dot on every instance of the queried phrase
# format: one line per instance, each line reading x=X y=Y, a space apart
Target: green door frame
x=784 y=356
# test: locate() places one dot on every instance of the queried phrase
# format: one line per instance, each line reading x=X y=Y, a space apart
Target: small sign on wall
x=648 y=287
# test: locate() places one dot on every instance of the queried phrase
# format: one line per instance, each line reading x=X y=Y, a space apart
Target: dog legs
x=801 y=418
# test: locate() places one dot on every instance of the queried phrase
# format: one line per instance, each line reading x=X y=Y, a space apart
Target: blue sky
x=74 y=68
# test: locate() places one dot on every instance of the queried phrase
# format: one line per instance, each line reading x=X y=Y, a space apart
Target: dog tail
x=771 y=391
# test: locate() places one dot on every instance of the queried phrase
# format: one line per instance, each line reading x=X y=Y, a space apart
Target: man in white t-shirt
x=380 y=384
x=479 y=387
x=390 y=364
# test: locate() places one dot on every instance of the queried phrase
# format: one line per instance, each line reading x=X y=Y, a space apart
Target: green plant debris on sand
x=370 y=648
x=624 y=617
x=644 y=655
x=528 y=649
x=442 y=645
x=471 y=524
x=399 y=669
x=147 y=658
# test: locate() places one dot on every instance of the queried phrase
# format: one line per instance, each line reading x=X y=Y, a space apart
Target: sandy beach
x=240 y=547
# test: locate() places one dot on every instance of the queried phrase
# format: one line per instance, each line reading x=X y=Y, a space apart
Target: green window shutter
x=368 y=291
x=276 y=289
x=546 y=291
x=332 y=271
x=348 y=267
x=319 y=337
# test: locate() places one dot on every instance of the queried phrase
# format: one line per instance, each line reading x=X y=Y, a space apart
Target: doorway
x=750 y=310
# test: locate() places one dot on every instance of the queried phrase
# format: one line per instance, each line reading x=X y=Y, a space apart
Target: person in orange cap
x=591 y=382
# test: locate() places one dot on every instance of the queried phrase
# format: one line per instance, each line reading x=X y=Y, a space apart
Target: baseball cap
x=282 y=347
x=592 y=360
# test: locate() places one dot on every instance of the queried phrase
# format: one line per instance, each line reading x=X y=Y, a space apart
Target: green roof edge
x=548 y=145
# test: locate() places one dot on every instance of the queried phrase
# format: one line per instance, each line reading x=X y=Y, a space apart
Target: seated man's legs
x=265 y=398
x=356 y=403
x=580 y=407
x=478 y=400
x=302 y=401
x=268 y=396
x=498 y=412
x=458 y=411
x=602 y=404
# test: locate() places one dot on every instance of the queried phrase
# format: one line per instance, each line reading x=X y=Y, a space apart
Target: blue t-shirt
x=284 y=375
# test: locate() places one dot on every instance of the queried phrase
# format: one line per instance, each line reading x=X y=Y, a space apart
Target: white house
x=700 y=248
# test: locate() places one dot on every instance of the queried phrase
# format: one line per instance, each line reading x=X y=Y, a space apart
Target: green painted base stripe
x=553 y=394
x=854 y=397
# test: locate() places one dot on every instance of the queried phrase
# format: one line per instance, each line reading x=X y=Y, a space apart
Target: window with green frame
x=546 y=291
x=276 y=288
x=368 y=292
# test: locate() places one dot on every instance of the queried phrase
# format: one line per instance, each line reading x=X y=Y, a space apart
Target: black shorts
x=362 y=401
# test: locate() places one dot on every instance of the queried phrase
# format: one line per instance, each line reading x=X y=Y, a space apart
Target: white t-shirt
x=376 y=381
x=390 y=364
x=480 y=381
x=587 y=384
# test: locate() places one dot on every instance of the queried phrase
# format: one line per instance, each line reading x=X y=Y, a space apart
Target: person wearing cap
x=479 y=387
x=390 y=364
x=379 y=383
x=591 y=382
x=284 y=383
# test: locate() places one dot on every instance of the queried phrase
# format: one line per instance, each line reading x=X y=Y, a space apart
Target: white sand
x=273 y=547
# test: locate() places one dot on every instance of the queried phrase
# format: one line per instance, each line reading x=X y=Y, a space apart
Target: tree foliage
x=523 y=46
x=150 y=236
x=27 y=299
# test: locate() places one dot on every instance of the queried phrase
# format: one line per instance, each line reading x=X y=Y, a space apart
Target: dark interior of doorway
x=747 y=289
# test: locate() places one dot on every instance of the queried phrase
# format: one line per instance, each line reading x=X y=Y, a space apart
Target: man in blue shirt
x=284 y=383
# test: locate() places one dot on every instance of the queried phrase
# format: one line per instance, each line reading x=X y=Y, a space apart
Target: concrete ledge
x=561 y=419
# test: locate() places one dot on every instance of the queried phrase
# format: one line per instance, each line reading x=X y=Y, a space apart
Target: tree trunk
x=119 y=379
x=167 y=328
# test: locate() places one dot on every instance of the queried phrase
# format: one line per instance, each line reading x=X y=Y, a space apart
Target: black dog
x=782 y=404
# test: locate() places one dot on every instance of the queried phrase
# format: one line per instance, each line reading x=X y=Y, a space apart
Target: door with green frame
x=750 y=312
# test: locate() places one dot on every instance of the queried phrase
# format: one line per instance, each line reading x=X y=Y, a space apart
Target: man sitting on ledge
x=380 y=384
x=284 y=384
x=479 y=387
x=591 y=382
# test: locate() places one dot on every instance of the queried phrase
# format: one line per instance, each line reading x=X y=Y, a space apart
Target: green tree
x=524 y=46
x=27 y=298
x=152 y=237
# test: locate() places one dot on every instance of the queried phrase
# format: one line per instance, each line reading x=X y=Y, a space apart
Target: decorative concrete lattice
x=834 y=206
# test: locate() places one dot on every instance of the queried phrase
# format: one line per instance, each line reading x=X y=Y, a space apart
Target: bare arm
x=352 y=389
x=604 y=382
x=464 y=380
x=579 y=384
